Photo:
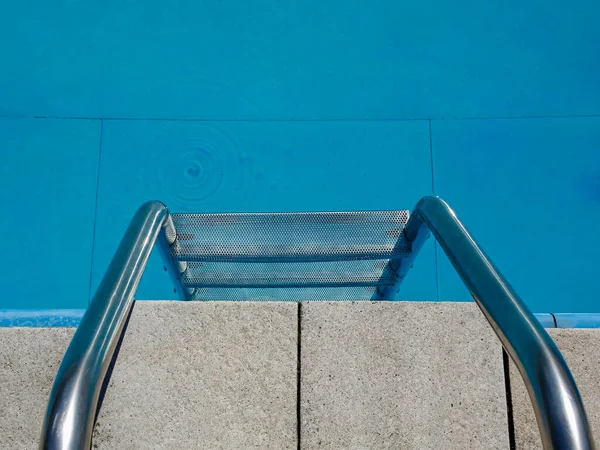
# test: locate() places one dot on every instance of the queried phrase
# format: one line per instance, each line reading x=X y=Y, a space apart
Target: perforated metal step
x=290 y=256
x=285 y=294
x=302 y=274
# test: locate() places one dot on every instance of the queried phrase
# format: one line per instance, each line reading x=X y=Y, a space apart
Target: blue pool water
x=226 y=105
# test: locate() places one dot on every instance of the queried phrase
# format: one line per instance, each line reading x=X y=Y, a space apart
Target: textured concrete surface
x=581 y=349
x=203 y=375
x=29 y=359
x=401 y=375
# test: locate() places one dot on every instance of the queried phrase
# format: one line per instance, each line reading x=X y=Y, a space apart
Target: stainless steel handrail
x=561 y=417
x=73 y=403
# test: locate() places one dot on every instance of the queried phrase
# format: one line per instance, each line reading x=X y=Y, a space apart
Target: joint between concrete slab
x=299 y=379
x=509 y=407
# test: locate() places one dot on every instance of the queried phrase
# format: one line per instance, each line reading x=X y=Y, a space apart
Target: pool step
x=290 y=275
x=290 y=256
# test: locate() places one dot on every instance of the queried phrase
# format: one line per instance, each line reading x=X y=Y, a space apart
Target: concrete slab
x=581 y=349
x=29 y=359
x=400 y=375
x=203 y=375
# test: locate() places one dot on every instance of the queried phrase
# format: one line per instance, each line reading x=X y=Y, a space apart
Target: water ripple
x=204 y=170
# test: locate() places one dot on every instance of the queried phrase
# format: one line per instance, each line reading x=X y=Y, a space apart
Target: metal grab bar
x=560 y=414
x=73 y=403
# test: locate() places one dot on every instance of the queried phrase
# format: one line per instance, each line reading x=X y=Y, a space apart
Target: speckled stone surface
x=401 y=375
x=29 y=359
x=581 y=350
x=215 y=375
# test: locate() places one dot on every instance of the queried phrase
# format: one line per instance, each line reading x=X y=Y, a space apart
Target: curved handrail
x=561 y=417
x=73 y=403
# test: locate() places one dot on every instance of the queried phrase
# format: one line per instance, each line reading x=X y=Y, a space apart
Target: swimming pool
x=295 y=106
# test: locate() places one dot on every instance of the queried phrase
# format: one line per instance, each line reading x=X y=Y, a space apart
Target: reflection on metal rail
x=561 y=418
x=69 y=420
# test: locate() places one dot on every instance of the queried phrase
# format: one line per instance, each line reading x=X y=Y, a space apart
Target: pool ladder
x=303 y=256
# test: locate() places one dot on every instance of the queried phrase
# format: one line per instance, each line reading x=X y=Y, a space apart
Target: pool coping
x=71 y=318
x=42 y=318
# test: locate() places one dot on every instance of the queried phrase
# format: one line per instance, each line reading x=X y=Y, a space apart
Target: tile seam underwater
x=95 y=211
x=300 y=120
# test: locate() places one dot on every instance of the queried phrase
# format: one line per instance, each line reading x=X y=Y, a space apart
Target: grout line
x=95 y=211
x=557 y=116
x=369 y=119
x=217 y=119
x=509 y=405
x=431 y=159
x=298 y=378
x=435 y=244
